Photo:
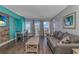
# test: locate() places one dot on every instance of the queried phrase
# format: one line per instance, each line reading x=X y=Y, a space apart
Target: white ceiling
x=37 y=11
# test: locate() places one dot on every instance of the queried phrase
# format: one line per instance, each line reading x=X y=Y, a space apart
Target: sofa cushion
x=65 y=34
x=74 y=38
x=60 y=35
x=55 y=34
x=64 y=50
x=65 y=40
x=54 y=41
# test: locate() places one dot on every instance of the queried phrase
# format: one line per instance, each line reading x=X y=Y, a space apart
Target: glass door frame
x=37 y=22
x=48 y=26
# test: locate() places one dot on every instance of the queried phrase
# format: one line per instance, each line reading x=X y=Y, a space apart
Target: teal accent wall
x=12 y=27
x=16 y=22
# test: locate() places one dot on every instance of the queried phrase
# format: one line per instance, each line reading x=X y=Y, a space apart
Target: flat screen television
x=3 y=20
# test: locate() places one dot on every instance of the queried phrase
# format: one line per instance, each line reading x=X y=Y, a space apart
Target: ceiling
x=36 y=11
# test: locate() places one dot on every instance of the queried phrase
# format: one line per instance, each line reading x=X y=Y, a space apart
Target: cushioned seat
x=54 y=41
x=63 y=48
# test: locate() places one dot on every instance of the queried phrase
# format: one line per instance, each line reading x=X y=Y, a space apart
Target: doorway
x=46 y=25
x=37 y=28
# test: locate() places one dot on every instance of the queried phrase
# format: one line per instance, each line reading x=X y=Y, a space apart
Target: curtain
x=41 y=28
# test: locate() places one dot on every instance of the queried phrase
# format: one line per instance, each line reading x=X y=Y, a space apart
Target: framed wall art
x=69 y=21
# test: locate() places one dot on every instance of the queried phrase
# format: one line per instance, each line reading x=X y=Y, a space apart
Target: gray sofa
x=64 y=48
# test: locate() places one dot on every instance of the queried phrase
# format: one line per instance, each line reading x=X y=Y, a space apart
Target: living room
x=39 y=29
x=56 y=29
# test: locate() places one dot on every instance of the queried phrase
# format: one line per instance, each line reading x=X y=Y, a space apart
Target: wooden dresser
x=32 y=45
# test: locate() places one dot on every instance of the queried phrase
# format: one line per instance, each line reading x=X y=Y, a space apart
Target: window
x=28 y=26
x=37 y=27
x=46 y=27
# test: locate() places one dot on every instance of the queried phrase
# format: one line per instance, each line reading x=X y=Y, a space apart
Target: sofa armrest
x=72 y=45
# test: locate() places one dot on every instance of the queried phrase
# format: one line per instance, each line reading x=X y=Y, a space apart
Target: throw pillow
x=65 y=34
x=65 y=40
x=60 y=35
x=56 y=34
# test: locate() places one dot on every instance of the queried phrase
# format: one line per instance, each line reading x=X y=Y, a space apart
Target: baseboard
x=6 y=45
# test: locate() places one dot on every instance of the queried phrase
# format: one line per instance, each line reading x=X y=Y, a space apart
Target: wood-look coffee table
x=32 y=45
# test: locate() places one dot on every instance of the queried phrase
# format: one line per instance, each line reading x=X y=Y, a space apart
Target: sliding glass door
x=46 y=27
x=37 y=27
x=28 y=27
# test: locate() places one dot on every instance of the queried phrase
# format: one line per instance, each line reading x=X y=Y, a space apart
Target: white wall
x=59 y=20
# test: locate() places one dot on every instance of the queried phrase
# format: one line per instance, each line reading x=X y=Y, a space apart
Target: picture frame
x=69 y=21
x=4 y=19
